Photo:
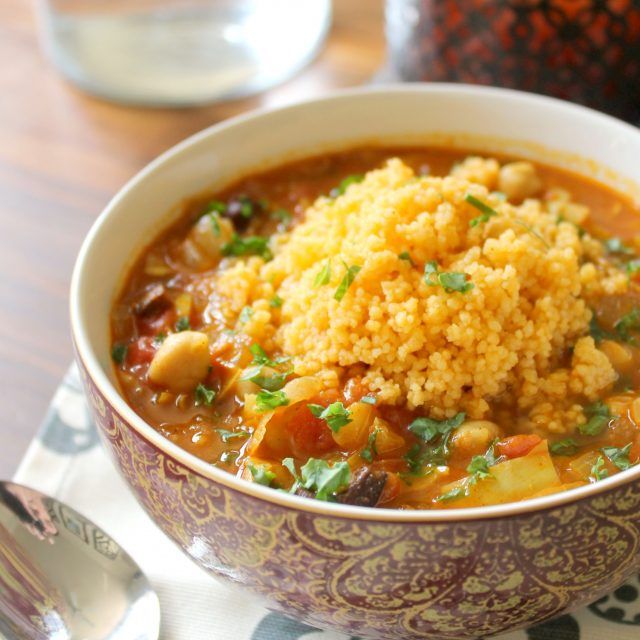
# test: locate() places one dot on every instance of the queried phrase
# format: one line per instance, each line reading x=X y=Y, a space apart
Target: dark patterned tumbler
x=586 y=51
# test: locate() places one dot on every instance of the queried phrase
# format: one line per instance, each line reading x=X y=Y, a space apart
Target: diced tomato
x=141 y=351
x=518 y=446
x=310 y=436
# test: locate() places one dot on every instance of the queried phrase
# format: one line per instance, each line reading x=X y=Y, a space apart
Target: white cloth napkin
x=66 y=461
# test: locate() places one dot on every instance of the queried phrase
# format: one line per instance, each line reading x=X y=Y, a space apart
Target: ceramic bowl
x=463 y=573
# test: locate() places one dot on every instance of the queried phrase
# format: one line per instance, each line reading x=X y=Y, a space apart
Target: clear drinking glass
x=181 y=52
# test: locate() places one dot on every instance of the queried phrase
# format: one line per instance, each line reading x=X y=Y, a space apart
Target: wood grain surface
x=63 y=154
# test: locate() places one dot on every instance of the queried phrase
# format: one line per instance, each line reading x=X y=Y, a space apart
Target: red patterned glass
x=586 y=51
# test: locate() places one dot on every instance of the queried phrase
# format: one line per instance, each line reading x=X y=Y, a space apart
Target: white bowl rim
x=86 y=354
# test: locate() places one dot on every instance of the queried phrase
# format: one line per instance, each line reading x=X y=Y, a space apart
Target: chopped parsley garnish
x=251 y=245
x=262 y=475
x=370 y=450
x=276 y=302
x=478 y=469
x=282 y=215
x=215 y=206
x=159 y=339
x=427 y=428
x=317 y=476
x=619 y=457
x=450 y=281
x=597 y=332
x=405 y=255
x=565 y=447
x=486 y=211
x=436 y=434
x=183 y=324
x=456 y=492
x=204 y=395
x=347 y=281
x=119 y=353
x=345 y=184
x=245 y=314
x=269 y=400
x=632 y=267
x=533 y=232
x=215 y=223
x=335 y=415
x=246 y=206
x=226 y=435
x=598 y=417
x=598 y=472
x=273 y=382
x=368 y=399
x=629 y=322
x=615 y=245
x=261 y=358
x=324 y=275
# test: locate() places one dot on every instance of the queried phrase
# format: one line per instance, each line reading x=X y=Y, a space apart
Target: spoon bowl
x=63 y=577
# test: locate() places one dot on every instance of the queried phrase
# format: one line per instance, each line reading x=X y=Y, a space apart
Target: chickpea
x=475 y=436
x=518 y=180
x=203 y=246
x=619 y=355
x=181 y=362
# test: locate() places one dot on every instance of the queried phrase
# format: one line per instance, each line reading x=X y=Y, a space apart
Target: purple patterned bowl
x=463 y=573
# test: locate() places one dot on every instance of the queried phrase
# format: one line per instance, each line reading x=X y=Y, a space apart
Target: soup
x=403 y=328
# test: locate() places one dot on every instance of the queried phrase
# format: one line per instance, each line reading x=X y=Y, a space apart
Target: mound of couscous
x=528 y=274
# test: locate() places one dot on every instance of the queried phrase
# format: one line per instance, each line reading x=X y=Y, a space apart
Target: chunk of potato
x=510 y=481
x=519 y=180
x=181 y=362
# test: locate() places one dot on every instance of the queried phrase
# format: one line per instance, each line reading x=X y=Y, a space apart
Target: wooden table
x=63 y=154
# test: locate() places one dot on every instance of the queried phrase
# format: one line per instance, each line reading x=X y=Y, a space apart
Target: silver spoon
x=64 y=578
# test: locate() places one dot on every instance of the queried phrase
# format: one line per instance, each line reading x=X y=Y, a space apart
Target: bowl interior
x=473 y=117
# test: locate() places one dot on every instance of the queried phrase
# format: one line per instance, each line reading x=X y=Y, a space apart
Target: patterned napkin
x=66 y=461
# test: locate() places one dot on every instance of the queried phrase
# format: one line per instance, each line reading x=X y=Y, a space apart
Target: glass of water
x=181 y=52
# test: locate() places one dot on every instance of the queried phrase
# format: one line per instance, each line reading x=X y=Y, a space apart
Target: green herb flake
x=227 y=436
x=262 y=475
x=159 y=339
x=369 y=399
x=633 y=267
x=204 y=395
x=215 y=223
x=405 y=255
x=283 y=216
x=370 y=451
x=324 y=275
x=347 y=281
x=615 y=245
x=318 y=476
x=598 y=417
x=628 y=323
x=119 y=353
x=414 y=459
x=534 y=232
x=269 y=400
x=345 y=184
x=428 y=429
x=619 y=457
x=597 y=332
x=276 y=302
x=479 y=467
x=486 y=211
x=183 y=324
x=335 y=415
x=261 y=358
x=245 y=314
x=449 y=281
x=598 y=472
x=251 y=245
x=565 y=447
x=273 y=382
